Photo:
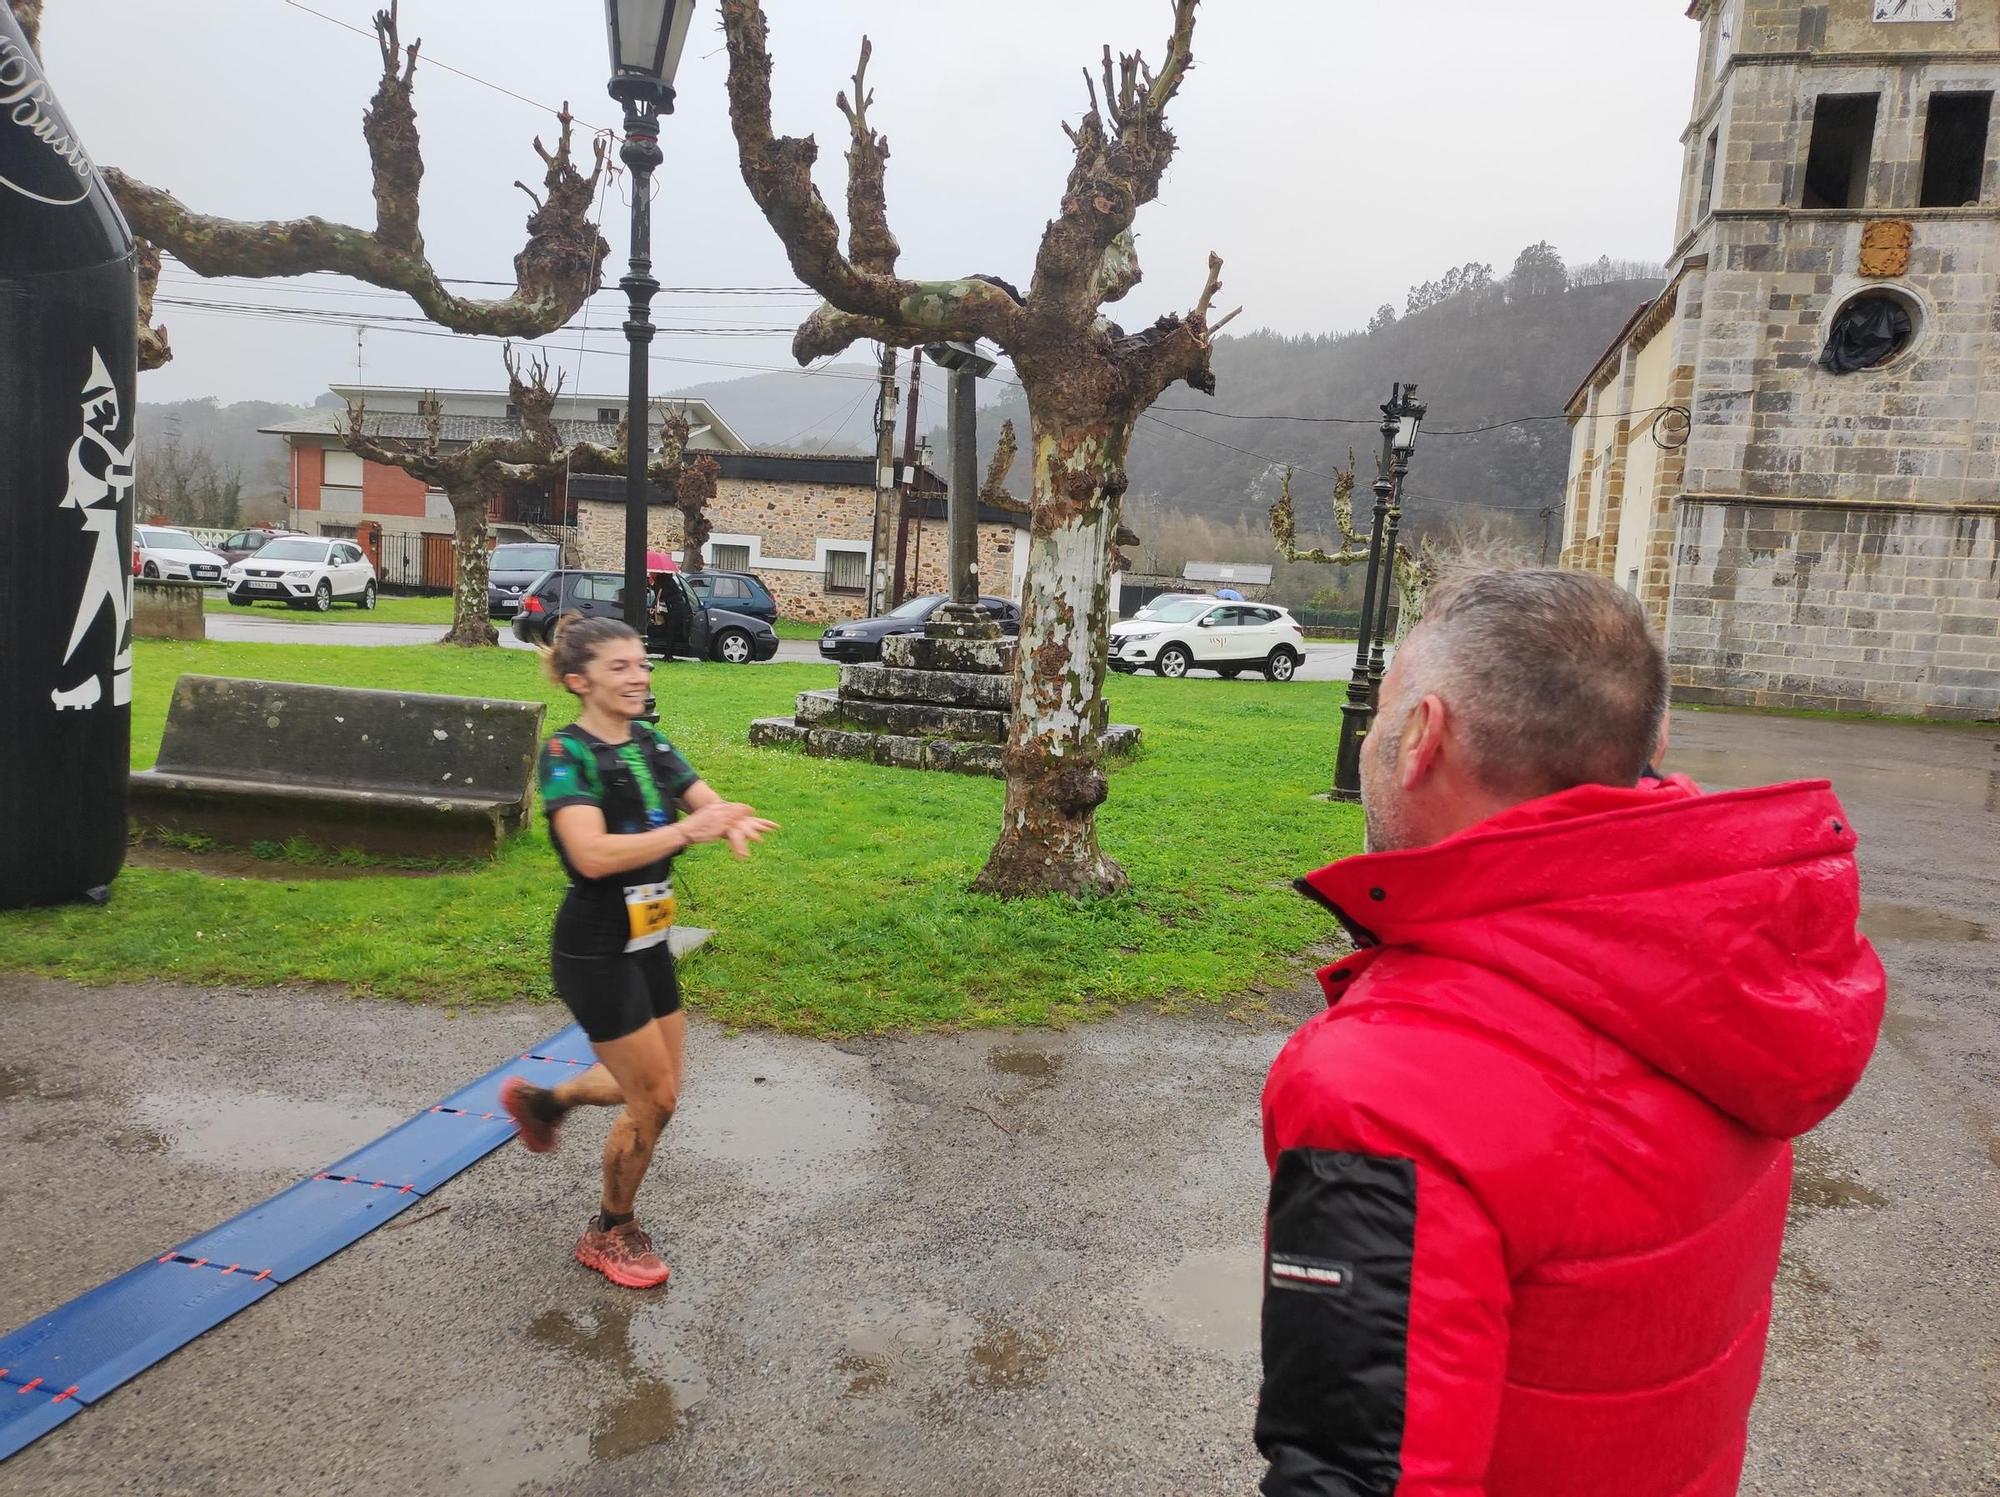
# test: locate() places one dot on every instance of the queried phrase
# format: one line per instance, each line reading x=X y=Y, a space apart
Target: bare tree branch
x=1284 y=523
x=154 y=349
x=870 y=244
x=555 y=273
x=28 y=13
x=994 y=490
x=778 y=171
x=1117 y=169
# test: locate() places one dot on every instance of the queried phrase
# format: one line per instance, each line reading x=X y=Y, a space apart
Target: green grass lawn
x=798 y=629
x=389 y=609
x=854 y=917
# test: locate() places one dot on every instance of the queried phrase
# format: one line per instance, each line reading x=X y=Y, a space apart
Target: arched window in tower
x=1867 y=332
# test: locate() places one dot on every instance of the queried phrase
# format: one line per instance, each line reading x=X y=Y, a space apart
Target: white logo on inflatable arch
x=100 y=490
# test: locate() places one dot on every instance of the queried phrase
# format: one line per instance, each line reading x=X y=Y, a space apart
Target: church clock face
x=1916 y=10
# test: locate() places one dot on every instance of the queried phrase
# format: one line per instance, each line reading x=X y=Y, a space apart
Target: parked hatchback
x=305 y=571
x=683 y=625
x=1207 y=634
x=862 y=638
x=162 y=551
x=739 y=592
x=512 y=569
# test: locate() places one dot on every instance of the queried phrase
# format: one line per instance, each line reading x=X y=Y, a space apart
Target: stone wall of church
x=1851 y=608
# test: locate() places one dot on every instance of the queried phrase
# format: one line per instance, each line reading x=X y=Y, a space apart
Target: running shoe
x=624 y=1255
x=536 y=1136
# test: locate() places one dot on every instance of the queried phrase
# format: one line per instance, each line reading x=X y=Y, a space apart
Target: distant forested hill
x=1480 y=356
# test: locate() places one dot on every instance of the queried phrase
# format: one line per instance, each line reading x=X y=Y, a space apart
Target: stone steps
x=992 y=657
x=889 y=683
x=903 y=751
x=830 y=709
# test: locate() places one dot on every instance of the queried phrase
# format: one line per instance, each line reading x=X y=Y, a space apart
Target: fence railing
x=415 y=561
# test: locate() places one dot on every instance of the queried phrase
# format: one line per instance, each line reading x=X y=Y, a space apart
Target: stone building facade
x=803 y=524
x=1792 y=455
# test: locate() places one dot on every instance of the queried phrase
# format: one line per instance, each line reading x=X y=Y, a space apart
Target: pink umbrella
x=659 y=561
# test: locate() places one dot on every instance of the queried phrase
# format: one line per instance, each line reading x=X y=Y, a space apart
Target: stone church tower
x=1793 y=453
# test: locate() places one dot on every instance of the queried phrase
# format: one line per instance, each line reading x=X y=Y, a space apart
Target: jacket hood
x=1713 y=936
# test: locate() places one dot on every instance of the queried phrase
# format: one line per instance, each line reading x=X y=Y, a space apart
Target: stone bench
x=395 y=773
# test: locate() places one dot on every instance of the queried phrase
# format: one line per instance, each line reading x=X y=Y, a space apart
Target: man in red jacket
x=1529 y=1170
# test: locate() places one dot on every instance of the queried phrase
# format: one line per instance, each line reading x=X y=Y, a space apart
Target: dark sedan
x=682 y=624
x=862 y=639
x=512 y=569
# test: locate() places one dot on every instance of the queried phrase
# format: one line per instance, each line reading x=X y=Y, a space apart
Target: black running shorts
x=613 y=996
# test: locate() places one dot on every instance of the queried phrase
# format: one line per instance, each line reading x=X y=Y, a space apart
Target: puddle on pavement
x=256 y=1132
x=1029 y=1065
x=18 y=1081
x=1819 y=1183
x=653 y=1386
x=1882 y=920
x=1212 y=1301
x=778 y=1117
x=1008 y=1357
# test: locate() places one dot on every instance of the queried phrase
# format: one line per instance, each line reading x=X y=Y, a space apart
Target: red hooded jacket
x=1530 y=1168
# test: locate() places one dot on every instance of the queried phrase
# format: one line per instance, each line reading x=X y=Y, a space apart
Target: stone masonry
x=1843 y=609
x=1808 y=538
x=790 y=520
x=931 y=704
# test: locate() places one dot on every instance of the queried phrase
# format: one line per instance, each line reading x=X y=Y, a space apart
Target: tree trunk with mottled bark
x=1087 y=379
x=1054 y=759
x=471 y=620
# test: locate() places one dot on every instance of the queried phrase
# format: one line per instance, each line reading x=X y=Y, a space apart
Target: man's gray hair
x=1555 y=678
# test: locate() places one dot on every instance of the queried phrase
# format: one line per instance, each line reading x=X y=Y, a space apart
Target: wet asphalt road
x=993 y=1263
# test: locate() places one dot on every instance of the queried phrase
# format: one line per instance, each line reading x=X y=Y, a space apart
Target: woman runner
x=610 y=784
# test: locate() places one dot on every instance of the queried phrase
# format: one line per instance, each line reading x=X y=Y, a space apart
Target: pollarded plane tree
x=556 y=272
x=473 y=476
x=1415 y=568
x=688 y=478
x=1087 y=381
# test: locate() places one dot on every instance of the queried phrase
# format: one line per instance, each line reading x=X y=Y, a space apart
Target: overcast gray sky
x=1333 y=151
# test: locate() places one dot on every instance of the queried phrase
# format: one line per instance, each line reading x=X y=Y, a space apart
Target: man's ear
x=1423 y=739
x=1660 y=748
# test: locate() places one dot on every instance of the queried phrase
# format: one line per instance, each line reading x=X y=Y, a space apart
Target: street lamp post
x=646 y=41
x=1409 y=417
x=1358 y=711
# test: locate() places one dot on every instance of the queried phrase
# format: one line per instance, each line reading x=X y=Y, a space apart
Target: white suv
x=1206 y=633
x=305 y=571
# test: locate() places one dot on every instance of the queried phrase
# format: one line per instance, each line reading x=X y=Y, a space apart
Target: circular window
x=1869 y=330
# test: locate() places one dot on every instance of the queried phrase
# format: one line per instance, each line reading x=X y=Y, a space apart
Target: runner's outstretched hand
x=747 y=830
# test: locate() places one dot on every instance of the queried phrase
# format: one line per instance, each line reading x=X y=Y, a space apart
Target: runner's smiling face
x=615 y=679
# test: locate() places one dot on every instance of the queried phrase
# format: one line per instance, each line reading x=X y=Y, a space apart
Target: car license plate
x=262 y=587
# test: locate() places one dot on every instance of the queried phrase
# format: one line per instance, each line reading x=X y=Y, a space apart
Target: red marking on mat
x=231 y=1269
x=322 y=1176
x=164 y=1258
x=407 y=1189
x=262 y=1276
x=30 y=1387
x=198 y=1263
x=64 y=1394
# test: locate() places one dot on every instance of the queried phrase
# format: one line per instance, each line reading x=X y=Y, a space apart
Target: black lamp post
x=1409 y=417
x=1400 y=417
x=646 y=41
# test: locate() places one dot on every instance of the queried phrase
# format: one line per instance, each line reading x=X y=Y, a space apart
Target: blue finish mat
x=76 y=1354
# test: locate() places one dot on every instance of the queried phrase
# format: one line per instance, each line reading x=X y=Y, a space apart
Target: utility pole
x=881 y=564
x=1548 y=511
x=901 y=589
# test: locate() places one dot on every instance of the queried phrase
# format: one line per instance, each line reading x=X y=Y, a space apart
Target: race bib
x=649 y=914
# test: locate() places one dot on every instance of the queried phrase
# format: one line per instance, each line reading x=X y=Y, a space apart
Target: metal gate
x=415 y=561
